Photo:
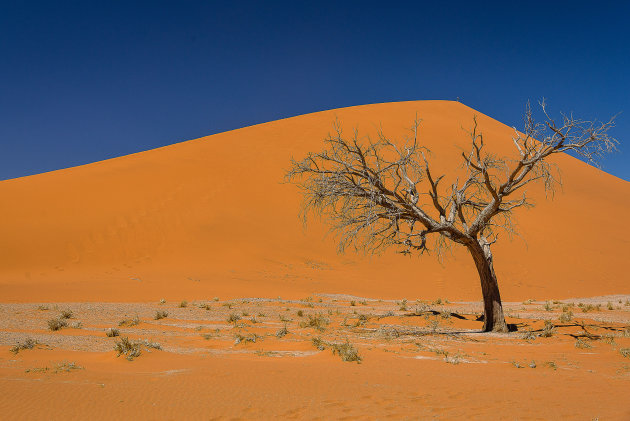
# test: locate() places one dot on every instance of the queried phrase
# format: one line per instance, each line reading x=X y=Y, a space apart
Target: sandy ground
x=227 y=360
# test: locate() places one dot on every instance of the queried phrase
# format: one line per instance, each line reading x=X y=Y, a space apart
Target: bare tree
x=372 y=191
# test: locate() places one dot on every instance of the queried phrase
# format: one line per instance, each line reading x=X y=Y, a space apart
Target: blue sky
x=85 y=81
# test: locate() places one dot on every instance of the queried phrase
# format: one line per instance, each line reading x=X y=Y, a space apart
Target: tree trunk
x=494 y=321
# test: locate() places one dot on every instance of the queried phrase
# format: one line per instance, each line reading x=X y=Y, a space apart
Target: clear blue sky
x=85 y=81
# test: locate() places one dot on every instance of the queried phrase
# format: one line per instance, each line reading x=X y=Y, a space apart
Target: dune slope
x=212 y=217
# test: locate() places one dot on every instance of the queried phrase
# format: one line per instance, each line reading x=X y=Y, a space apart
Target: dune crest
x=212 y=216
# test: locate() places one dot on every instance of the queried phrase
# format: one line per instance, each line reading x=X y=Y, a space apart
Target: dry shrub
x=57 y=324
x=29 y=343
x=318 y=322
x=346 y=351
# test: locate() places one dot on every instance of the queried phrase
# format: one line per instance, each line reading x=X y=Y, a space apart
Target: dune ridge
x=212 y=216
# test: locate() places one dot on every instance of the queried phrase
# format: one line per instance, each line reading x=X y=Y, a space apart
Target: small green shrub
x=183 y=304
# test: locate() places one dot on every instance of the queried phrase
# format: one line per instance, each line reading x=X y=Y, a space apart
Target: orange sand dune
x=212 y=217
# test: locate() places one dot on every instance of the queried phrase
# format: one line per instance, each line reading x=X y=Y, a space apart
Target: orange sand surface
x=212 y=216
x=111 y=244
x=415 y=364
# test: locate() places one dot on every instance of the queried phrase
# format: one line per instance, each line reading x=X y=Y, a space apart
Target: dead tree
x=381 y=193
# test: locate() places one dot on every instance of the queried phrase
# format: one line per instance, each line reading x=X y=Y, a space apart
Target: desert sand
x=212 y=217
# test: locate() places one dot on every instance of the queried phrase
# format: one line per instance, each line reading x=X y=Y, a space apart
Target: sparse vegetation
x=402 y=306
x=582 y=343
x=552 y=365
x=129 y=322
x=112 y=332
x=566 y=316
x=29 y=343
x=239 y=338
x=233 y=318
x=42 y=308
x=346 y=351
x=162 y=301
x=300 y=313
x=66 y=367
x=160 y=314
x=625 y=352
x=66 y=314
x=132 y=349
x=548 y=330
x=57 y=324
x=183 y=304
x=129 y=349
x=318 y=322
x=282 y=332
x=318 y=343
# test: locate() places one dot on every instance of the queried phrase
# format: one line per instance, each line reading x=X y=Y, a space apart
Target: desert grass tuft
x=129 y=322
x=529 y=335
x=318 y=343
x=582 y=344
x=160 y=314
x=346 y=351
x=57 y=324
x=625 y=352
x=66 y=367
x=129 y=349
x=566 y=316
x=548 y=330
x=29 y=343
x=282 y=332
x=112 y=332
x=132 y=349
x=183 y=304
x=233 y=318
x=66 y=314
x=402 y=306
x=239 y=338
x=318 y=322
